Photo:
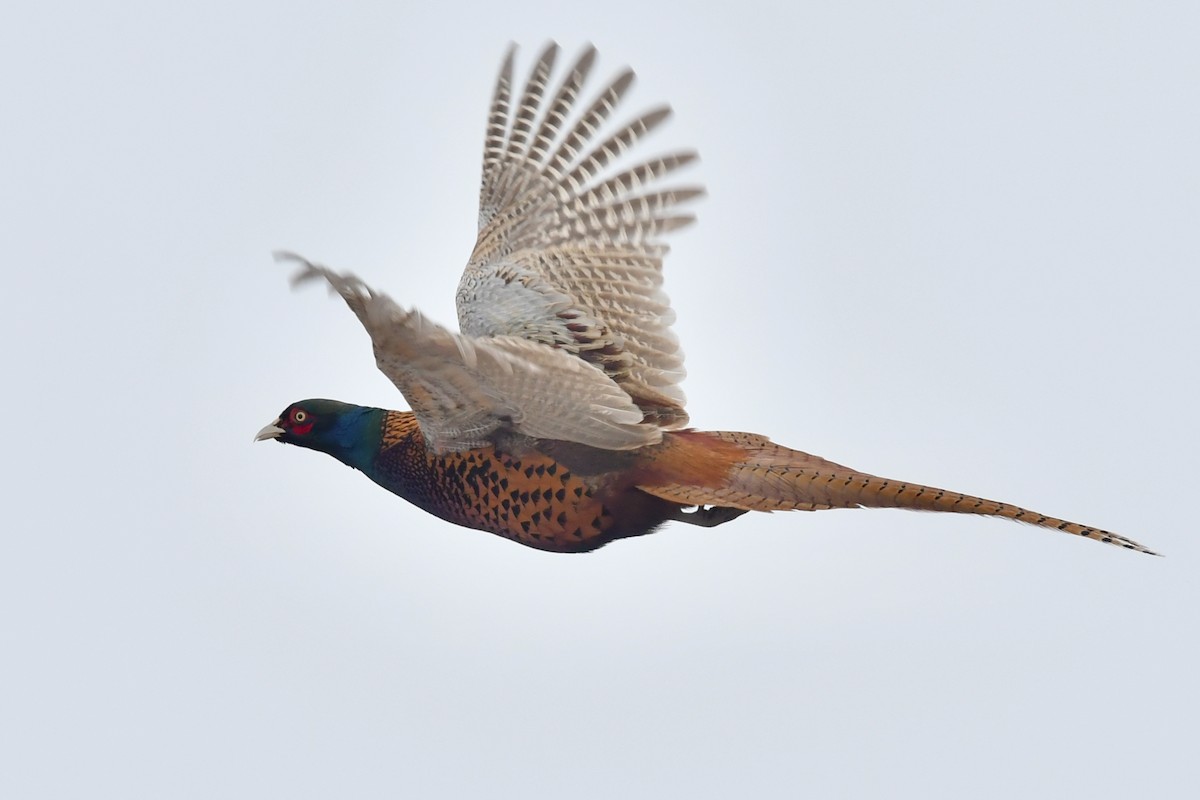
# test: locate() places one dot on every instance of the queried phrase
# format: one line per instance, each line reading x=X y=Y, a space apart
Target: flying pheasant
x=555 y=417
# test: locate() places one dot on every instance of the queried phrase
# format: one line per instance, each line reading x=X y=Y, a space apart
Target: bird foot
x=707 y=516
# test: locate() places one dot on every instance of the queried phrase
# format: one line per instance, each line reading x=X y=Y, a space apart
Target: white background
x=945 y=242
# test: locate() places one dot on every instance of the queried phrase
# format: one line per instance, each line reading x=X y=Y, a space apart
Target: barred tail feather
x=748 y=471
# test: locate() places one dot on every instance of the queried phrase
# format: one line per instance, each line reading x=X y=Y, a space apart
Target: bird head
x=342 y=430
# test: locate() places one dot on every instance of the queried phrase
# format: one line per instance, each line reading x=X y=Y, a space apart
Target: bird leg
x=707 y=516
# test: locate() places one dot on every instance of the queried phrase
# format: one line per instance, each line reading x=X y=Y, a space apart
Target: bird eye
x=299 y=415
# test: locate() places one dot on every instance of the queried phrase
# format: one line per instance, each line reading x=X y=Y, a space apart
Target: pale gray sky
x=946 y=242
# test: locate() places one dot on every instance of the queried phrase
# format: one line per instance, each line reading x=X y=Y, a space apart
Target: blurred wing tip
x=624 y=79
x=307 y=270
x=587 y=58
x=288 y=255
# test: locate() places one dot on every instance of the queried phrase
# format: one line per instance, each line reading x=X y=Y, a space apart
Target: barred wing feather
x=570 y=252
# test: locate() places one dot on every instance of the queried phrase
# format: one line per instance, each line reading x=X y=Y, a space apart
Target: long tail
x=748 y=471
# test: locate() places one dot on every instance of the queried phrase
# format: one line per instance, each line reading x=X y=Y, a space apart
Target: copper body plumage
x=555 y=417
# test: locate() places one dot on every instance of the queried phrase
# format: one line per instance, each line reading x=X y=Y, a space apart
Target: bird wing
x=570 y=252
x=464 y=388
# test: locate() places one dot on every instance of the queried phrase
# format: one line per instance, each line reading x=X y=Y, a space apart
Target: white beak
x=272 y=431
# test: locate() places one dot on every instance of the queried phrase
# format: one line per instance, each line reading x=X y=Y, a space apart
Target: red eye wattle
x=300 y=422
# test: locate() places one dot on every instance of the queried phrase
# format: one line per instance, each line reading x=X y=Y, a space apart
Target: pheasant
x=555 y=418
